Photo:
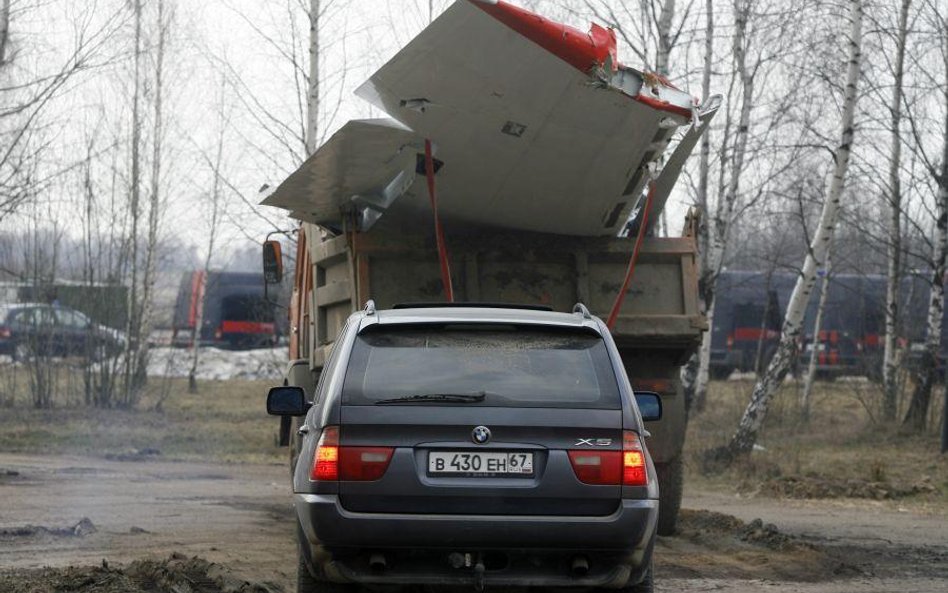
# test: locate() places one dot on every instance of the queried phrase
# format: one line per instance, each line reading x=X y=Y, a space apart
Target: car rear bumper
x=537 y=549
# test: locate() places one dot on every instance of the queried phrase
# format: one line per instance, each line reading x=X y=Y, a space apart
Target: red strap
x=439 y=233
x=614 y=314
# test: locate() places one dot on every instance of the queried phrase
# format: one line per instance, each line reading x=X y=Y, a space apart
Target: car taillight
x=634 y=472
x=364 y=463
x=730 y=342
x=597 y=467
x=4 y=332
x=326 y=459
x=332 y=462
x=625 y=467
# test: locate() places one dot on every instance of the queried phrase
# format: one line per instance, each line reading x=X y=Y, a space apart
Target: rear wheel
x=305 y=583
x=671 y=478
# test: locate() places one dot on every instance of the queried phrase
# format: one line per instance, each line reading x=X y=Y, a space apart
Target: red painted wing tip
x=583 y=51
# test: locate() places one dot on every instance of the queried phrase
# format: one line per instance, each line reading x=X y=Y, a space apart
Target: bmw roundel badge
x=480 y=435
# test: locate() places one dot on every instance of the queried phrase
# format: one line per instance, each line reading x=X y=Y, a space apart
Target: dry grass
x=844 y=442
x=225 y=420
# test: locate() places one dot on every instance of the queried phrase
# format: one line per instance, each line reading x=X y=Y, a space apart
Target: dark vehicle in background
x=852 y=330
x=916 y=292
x=28 y=330
x=468 y=445
x=749 y=308
x=748 y=313
x=232 y=307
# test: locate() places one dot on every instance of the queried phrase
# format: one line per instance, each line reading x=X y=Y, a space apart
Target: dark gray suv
x=473 y=446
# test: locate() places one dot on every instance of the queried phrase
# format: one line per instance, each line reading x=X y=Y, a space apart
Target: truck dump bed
x=660 y=310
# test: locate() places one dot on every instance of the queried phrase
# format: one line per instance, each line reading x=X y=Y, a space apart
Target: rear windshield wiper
x=453 y=398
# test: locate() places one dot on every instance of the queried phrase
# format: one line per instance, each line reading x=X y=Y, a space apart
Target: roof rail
x=478 y=305
x=370 y=307
x=582 y=310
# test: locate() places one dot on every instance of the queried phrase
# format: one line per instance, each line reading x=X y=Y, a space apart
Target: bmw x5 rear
x=475 y=447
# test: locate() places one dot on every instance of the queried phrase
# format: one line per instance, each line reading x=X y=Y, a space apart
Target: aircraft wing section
x=362 y=169
x=537 y=125
x=676 y=162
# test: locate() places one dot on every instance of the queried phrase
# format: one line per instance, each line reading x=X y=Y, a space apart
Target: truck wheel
x=671 y=477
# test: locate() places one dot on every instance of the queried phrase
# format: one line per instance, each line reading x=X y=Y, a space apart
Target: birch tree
x=695 y=372
x=936 y=78
x=749 y=427
x=155 y=207
x=712 y=258
x=894 y=206
x=133 y=341
x=810 y=378
x=4 y=30
x=214 y=215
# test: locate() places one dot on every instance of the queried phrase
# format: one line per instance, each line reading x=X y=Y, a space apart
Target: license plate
x=480 y=463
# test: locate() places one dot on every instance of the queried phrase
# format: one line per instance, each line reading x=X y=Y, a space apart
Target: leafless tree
x=214 y=216
x=935 y=76
x=894 y=204
x=748 y=429
x=810 y=377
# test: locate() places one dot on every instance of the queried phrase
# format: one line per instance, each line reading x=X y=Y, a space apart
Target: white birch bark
x=810 y=377
x=4 y=29
x=728 y=193
x=312 y=90
x=132 y=324
x=695 y=372
x=894 y=205
x=154 y=206
x=216 y=191
x=665 y=44
x=750 y=424
x=924 y=382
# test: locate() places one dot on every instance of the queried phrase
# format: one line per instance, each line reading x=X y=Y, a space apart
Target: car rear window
x=516 y=366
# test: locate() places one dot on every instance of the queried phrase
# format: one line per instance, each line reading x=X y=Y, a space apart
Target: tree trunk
x=928 y=367
x=728 y=193
x=312 y=91
x=211 y=240
x=894 y=248
x=665 y=44
x=814 y=353
x=4 y=29
x=133 y=323
x=154 y=208
x=743 y=440
x=696 y=370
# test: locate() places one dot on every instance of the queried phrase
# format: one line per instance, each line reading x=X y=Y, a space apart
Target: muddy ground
x=134 y=524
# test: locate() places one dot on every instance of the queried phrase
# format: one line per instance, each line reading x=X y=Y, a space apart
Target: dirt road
x=239 y=516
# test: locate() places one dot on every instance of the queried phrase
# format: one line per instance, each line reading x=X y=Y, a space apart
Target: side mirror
x=650 y=405
x=272 y=262
x=287 y=400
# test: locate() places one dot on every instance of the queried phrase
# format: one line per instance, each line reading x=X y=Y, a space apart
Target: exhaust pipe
x=580 y=566
x=377 y=562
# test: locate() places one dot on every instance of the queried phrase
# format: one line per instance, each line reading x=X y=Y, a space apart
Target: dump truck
x=521 y=163
x=658 y=327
